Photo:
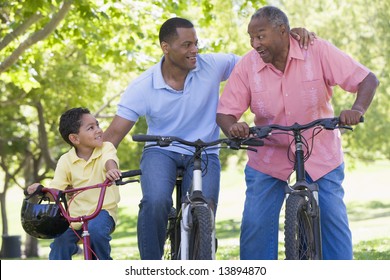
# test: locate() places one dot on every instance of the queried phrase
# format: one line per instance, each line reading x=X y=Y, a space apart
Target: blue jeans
x=157 y=181
x=100 y=229
x=260 y=224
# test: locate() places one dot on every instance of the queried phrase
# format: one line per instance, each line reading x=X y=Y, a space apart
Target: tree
x=344 y=23
x=61 y=54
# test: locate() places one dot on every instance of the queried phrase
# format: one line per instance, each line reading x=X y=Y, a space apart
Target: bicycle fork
x=310 y=193
x=86 y=241
x=195 y=200
x=186 y=224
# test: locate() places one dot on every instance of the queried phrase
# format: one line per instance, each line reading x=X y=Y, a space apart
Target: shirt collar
x=295 y=50
x=97 y=152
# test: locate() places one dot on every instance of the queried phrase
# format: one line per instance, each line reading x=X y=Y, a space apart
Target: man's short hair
x=168 y=30
x=274 y=15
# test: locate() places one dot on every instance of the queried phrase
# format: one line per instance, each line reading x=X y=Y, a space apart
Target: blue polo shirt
x=189 y=114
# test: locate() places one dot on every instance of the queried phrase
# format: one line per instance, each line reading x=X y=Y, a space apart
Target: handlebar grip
x=131 y=173
x=38 y=191
x=145 y=138
x=361 y=119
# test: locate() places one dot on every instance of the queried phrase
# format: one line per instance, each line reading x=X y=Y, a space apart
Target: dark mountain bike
x=302 y=215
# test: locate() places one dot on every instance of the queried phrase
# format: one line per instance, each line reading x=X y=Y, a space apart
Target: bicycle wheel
x=298 y=229
x=172 y=240
x=200 y=235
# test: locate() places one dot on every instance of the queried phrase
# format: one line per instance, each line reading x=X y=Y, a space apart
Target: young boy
x=90 y=161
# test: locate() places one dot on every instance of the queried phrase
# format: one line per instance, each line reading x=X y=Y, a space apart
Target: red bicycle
x=44 y=219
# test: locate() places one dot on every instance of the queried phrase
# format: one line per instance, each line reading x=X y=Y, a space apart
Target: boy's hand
x=32 y=188
x=113 y=174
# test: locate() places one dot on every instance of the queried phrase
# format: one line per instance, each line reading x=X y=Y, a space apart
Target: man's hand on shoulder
x=303 y=35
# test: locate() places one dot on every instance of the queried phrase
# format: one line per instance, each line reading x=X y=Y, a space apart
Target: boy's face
x=90 y=134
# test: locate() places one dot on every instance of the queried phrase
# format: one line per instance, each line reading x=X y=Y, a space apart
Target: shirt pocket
x=262 y=106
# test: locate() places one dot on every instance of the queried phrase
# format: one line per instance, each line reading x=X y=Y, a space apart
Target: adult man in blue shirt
x=179 y=97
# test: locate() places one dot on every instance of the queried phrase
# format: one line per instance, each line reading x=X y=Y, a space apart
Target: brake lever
x=250 y=149
x=330 y=124
x=260 y=132
x=344 y=127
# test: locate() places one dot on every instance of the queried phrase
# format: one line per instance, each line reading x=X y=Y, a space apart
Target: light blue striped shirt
x=189 y=114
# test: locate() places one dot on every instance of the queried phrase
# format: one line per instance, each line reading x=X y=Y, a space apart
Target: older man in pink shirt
x=283 y=84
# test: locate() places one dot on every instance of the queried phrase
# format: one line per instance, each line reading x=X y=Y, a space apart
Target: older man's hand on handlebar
x=350 y=117
x=239 y=130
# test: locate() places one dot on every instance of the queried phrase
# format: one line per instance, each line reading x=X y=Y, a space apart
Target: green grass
x=367 y=198
x=124 y=243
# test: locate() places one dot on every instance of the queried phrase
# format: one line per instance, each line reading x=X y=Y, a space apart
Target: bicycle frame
x=55 y=193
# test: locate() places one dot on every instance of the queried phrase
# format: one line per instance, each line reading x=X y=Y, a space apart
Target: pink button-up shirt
x=301 y=94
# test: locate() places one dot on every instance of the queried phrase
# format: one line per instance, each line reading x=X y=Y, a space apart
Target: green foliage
x=92 y=55
x=345 y=24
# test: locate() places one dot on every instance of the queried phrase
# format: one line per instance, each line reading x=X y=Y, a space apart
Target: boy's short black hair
x=169 y=28
x=70 y=122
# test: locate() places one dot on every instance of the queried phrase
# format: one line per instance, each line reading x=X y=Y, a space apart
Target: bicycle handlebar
x=56 y=194
x=127 y=174
x=327 y=123
x=131 y=173
x=165 y=141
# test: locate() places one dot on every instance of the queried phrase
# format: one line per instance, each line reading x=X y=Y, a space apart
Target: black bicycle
x=302 y=228
x=190 y=231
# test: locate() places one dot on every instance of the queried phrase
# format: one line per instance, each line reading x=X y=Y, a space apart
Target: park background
x=55 y=55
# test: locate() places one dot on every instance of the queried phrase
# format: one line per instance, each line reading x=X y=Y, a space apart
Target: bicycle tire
x=299 y=236
x=201 y=234
x=172 y=240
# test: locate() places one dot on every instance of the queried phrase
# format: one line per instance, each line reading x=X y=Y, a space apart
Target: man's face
x=182 y=50
x=266 y=39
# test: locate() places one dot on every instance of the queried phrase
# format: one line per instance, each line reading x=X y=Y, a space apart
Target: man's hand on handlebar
x=350 y=117
x=239 y=130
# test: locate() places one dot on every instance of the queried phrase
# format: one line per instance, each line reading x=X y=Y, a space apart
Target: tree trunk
x=31 y=247
x=3 y=208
